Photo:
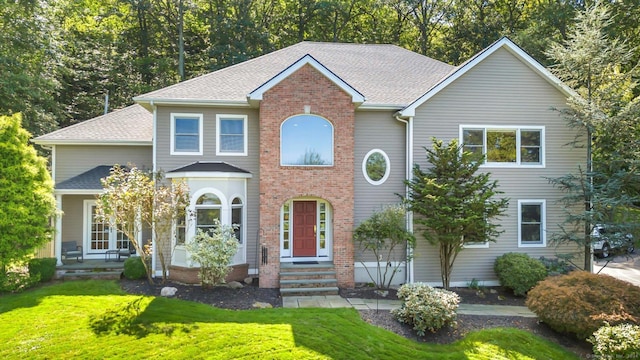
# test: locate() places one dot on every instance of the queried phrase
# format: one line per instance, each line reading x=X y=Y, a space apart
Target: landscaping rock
x=168 y=291
x=262 y=305
x=248 y=280
x=235 y=285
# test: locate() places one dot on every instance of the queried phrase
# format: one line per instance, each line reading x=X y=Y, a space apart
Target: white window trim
x=484 y=245
x=321 y=255
x=543 y=216
x=241 y=255
x=387 y=169
x=173 y=133
x=333 y=135
x=518 y=129
x=87 y=204
x=244 y=119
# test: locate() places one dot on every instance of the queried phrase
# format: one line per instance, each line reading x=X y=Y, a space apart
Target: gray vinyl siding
x=501 y=90
x=73 y=217
x=167 y=162
x=378 y=130
x=72 y=160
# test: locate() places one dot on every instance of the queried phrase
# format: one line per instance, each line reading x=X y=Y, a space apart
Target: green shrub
x=581 y=302
x=45 y=267
x=519 y=272
x=621 y=341
x=557 y=266
x=134 y=268
x=17 y=281
x=426 y=308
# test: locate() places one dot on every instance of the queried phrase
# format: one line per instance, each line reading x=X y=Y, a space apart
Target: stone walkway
x=335 y=301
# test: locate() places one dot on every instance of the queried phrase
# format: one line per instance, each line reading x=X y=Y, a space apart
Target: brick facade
x=307 y=87
x=189 y=275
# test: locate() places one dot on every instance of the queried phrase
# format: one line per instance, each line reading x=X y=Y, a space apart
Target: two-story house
x=299 y=145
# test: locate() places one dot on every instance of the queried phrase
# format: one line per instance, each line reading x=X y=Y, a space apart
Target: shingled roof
x=88 y=180
x=132 y=125
x=387 y=75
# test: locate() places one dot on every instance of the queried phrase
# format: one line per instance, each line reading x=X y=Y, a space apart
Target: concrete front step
x=70 y=275
x=307 y=281
x=303 y=291
x=307 y=273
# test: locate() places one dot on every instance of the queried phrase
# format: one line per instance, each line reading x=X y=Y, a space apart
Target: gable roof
x=387 y=76
x=306 y=60
x=132 y=125
x=503 y=43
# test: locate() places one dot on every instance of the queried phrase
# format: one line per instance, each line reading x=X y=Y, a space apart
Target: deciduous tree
x=385 y=235
x=134 y=200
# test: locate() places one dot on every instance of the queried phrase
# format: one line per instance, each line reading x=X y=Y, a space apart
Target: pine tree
x=604 y=109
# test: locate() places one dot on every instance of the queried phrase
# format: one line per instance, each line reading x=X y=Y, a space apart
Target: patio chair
x=71 y=250
x=124 y=252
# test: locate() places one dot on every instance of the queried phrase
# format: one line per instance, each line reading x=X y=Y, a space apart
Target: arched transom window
x=306 y=140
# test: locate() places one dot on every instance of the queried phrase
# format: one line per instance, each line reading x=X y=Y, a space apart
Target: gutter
x=408 y=175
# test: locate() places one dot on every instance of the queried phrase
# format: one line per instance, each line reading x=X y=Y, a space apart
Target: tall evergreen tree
x=26 y=194
x=603 y=108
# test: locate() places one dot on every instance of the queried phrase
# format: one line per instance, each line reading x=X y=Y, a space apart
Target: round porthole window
x=376 y=166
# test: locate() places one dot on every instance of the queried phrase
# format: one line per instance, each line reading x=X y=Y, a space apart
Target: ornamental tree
x=385 y=235
x=26 y=193
x=454 y=204
x=134 y=199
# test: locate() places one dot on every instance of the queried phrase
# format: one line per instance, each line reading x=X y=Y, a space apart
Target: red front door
x=304 y=228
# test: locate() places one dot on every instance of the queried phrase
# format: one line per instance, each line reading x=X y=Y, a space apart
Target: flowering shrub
x=621 y=341
x=519 y=272
x=214 y=253
x=426 y=308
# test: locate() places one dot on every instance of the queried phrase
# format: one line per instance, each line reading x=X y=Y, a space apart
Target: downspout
x=58 y=234
x=153 y=159
x=408 y=174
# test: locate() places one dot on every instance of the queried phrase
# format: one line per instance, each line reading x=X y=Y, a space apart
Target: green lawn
x=96 y=319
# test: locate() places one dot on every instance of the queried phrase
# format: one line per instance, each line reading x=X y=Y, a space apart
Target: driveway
x=623 y=267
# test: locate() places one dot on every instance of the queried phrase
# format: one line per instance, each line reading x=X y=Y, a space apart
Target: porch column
x=58 y=230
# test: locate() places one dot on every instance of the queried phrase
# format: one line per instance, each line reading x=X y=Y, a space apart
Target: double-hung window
x=505 y=145
x=186 y=134
x=232 y=135
x=531 y=223
x=208 y=213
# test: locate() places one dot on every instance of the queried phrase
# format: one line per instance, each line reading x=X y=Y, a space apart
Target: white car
x=606 y=242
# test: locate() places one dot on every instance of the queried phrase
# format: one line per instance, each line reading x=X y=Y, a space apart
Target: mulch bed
x=246 y=298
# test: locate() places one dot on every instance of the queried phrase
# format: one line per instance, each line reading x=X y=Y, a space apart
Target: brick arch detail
x=307 y=88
